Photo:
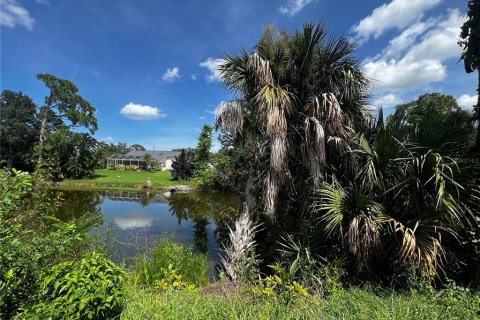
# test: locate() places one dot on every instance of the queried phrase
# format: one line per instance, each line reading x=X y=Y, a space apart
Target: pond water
x=134 y=220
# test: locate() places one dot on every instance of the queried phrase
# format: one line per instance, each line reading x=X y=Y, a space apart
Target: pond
x=134 y=220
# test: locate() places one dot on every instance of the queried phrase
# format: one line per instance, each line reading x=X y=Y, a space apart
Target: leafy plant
x=92 y=288
x=166 y=256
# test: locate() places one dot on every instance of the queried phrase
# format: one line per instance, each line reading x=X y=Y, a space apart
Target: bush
x=92 y=288
x=167 y=258
x=206 y=179
x=32 y=240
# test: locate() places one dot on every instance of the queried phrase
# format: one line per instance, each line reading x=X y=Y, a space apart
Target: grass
x=104 y=179
x=352 y=304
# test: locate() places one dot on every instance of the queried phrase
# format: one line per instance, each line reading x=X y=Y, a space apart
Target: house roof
x=159 y=156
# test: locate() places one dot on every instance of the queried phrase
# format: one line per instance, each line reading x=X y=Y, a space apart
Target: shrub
x=120 y=167
x=32 y=240
x=206 y=179
x=168 y=255
x=92 y=288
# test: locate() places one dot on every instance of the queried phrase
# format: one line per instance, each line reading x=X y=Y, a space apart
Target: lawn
x=114 y=179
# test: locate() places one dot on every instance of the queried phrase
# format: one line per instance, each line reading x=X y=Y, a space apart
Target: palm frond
x=229 y=116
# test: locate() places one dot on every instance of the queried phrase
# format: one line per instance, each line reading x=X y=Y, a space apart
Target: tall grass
x=352 y=304
x=150 y=267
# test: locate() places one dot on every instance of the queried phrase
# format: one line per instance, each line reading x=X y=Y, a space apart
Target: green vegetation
x=111 y=179
x=17 y=129
x=168 y=263
x=352 y=304
x=347 y=214
x=470 y=42
x=183 y=167
x=92 y=288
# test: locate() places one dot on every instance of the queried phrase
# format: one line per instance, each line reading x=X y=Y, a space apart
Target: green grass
x=115 y=179
x=347 y=304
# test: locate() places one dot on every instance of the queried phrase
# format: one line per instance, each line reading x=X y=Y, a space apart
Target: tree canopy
x=63 y=108
x=18 y=129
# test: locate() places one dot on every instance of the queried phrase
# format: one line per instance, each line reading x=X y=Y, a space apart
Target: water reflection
x=136 y=219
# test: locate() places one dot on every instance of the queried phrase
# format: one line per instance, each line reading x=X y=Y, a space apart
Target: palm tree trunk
x=242 y=246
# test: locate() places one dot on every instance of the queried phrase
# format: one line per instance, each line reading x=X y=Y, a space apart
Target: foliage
x=92 y=288
x=68 y=155
x=32 y=240
x=18 y=129
x=63 y=109
x=183 y=166
x=202 y=150
x=299 y=96
x=136 y=147
x=206 y=179
x=407 y=204
x=103 y=151
x=149 y=162
x=171 y=279
x=428 y=105
x=166 y=256
x=470 y=42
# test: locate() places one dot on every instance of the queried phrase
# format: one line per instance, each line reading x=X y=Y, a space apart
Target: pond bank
x=104 y=179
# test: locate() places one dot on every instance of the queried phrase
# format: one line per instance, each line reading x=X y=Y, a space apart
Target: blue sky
x=149 y=66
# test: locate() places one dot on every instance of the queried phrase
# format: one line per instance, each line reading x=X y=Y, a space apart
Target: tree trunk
x=477 y=117
x=10 y=157
x=43 y=129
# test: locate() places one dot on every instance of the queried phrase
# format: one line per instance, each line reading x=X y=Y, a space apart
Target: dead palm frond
x=229 y=115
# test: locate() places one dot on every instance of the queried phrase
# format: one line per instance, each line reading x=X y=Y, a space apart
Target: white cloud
x=212 y=65
x=171 y=74
x=12 y=14
x=211 y=111
x=202 y=117
x=43 y=2
x=416 y=57
x=294 y=6
x=193 y=77
x=387 y=100
x=140 y=112
x=133 y=222
x=467 y=101
x=106 y=139
x=397 y=14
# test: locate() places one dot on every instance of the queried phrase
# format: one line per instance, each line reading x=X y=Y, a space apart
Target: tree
x=18 y=129
x=202 y=151
x=148 y=161
x=69 y=155
x=183 y=166
x=470 y=41
x=63 y=108
x=299 y=96
x=136 y=147
x=428 y=105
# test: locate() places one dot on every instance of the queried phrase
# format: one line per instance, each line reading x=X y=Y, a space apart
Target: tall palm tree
x=300 y=96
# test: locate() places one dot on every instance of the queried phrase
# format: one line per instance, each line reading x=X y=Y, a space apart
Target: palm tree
x=300 y=96
x=407 y=200
x=147 y=158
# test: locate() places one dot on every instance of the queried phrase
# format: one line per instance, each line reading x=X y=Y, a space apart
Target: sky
x=149 y=67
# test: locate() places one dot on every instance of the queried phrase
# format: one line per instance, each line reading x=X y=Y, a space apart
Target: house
x=136 y=157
